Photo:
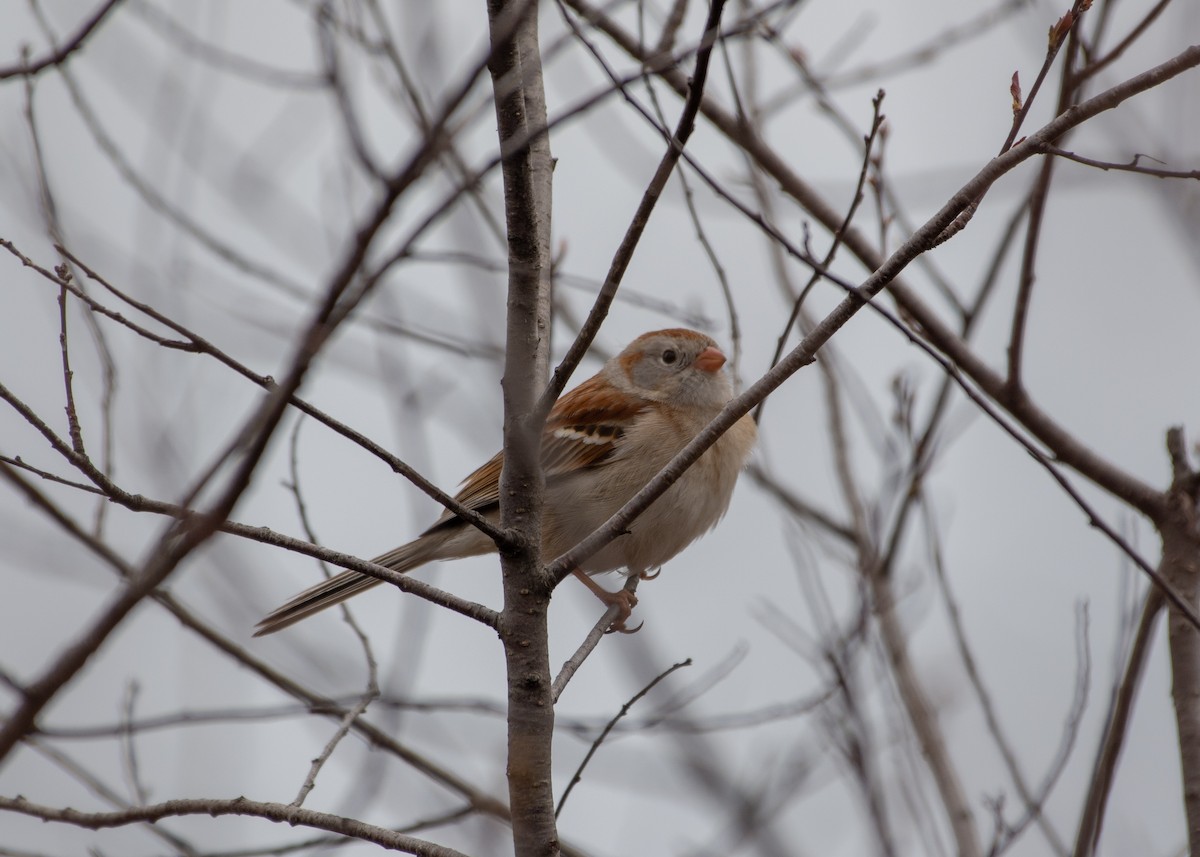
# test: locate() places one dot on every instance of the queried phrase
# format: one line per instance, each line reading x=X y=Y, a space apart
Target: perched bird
x=603 y=441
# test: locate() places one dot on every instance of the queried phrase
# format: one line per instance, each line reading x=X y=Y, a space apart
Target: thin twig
x=129 y=757
x=710 y=252
x=868 y=145
x=593 y=638
x=74 y=430
x=310 y=781
x=1058 y=37
x=1133 y=166
x=62 y=52
x=1116 y=728
x=608 y=727
x=372 y=690
x=641 y=217
x=1039 y=194
x=55 y=229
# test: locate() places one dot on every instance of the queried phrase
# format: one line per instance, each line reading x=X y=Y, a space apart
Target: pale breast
x=687 y=510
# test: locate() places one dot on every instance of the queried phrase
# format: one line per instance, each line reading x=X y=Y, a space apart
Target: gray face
x=663 y=366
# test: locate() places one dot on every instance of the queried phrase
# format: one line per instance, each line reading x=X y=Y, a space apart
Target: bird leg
x=622 y=599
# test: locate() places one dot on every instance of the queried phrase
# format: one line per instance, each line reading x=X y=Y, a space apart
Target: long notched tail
x=338 y=588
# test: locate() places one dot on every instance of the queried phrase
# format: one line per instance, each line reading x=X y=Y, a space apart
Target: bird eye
x=669 y=356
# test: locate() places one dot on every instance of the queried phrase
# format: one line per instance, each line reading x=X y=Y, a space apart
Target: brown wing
x=585 y=427
x=482 y=488
x=583 y=430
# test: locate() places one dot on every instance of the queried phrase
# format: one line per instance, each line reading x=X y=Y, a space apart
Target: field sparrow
x=603 y=441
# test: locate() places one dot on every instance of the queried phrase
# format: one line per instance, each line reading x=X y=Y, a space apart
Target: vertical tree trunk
x=1185 y=692
x=1181 y=568
x=516 y=70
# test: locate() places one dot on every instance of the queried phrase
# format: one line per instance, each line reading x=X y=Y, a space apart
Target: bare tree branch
x=62 y=52
x=277 y=812
x=520 y=104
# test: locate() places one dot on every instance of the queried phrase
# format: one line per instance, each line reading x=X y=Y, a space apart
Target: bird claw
x=623 y=599
x=645 y=575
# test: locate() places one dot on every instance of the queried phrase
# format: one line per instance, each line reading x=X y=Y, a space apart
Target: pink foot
x=622 y=599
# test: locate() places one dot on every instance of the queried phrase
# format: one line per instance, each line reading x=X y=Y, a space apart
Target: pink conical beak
x=710 y=359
